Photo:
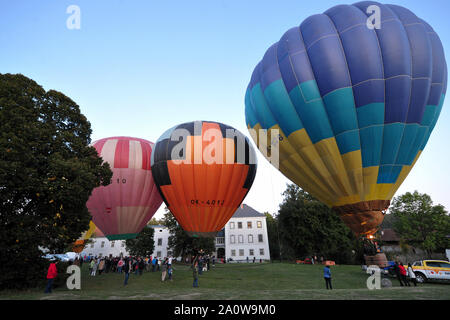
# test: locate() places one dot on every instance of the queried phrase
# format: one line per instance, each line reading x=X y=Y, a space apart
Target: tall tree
x=47 y=173
x=308 y=227
x=143 y=245
x=420 y=223
x=274 y=236
x=182 y=244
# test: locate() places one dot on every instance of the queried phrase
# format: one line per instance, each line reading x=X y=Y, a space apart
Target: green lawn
x=275 y=281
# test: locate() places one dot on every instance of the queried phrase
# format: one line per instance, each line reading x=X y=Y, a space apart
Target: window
x=123 y=244
x=233 y=253
x=231 y=225
x=240 y=238
x=260 y=238
x=232 y=239
x=220 y=240
x=239 y=225
x=249 y=224
x=241 y=252
x=261 y=252
x=92 y=244
x=433 y=264
x=103 y=244
x=251 y=252
x=158 y=254
x=159 y=241
x=445 y=265
x=250 y=238
x=259 y=224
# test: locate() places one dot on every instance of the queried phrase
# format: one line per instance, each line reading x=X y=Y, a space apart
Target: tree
x=182 y=244
x=143 y=245
x=420 y=223
x=274 y=236
x=47 y=173
x=308 y=227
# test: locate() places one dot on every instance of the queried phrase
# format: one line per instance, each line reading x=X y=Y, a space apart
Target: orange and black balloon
x=203 y=171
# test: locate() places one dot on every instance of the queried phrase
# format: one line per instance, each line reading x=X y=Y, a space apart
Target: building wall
x=103 y=247
x=246 y=241
x=251 y=240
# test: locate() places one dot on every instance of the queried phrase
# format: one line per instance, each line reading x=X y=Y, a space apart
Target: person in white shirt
x=412 y=275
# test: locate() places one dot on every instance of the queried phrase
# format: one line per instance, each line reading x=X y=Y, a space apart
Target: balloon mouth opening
x=364 y=217
x=124 y=236
x=196 y=234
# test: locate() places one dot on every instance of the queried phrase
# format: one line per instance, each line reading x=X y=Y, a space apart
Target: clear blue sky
x=137 y=68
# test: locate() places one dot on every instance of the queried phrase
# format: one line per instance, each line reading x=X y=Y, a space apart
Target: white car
x=431 y=270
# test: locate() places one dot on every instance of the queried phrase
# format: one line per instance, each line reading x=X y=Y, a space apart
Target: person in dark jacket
x=52 y=273
x=127 y=267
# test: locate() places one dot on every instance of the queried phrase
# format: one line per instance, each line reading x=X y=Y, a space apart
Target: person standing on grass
x=403 y=274
x=127 y=268
x=195 y=274
x=169 y=271
x=94 y=267
x=163 y=269
x=327 y=277
x=397 y=272
x=52 y=273
x=101 y=266
x=412 y=275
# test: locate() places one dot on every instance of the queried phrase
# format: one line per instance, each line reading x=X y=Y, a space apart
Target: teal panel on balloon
x=371 y=140
x=388 y=173
x=282 y=108
x=340 y=106
x=250 y=117
x=370 y=114
x=309 y=106
x=348 y=141
x=406 y=147
x=392 y=135
x=428 y=115
x=264 y=115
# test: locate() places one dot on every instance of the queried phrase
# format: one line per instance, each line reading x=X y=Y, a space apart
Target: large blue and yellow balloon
x=355 y=105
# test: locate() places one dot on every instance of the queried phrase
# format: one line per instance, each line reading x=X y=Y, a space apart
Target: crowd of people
x=404 y=275
x=127 y=265
x=137 y=265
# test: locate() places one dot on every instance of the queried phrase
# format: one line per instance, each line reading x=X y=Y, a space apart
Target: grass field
x=274 y=281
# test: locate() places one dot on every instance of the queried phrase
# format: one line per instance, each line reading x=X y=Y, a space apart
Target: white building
x=245 y=235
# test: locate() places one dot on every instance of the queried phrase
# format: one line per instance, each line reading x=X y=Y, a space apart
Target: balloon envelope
x=124 y=207
x=80 y=243
x=355 y=105
x=203 y=170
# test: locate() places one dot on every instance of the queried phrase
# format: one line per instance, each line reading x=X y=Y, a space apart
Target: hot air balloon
x=80 y=243
x=124 y=207
x=203 y=171
x=355 y=104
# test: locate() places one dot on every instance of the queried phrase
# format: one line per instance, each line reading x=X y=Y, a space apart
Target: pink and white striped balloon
x=123 y=208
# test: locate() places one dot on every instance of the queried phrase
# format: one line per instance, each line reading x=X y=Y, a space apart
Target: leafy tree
x=274 y=236
x=143 y=245
x=47 y=173
x=308 y=227
x=182 y=244
x=420 y=223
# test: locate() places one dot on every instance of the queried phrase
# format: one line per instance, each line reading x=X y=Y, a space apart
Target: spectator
x=412 y=275
x=52 y=273
x=327 y=277
x=403 y=274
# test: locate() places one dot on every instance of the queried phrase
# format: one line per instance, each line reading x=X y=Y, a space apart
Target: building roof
x=245 y=211
x=389 y=235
